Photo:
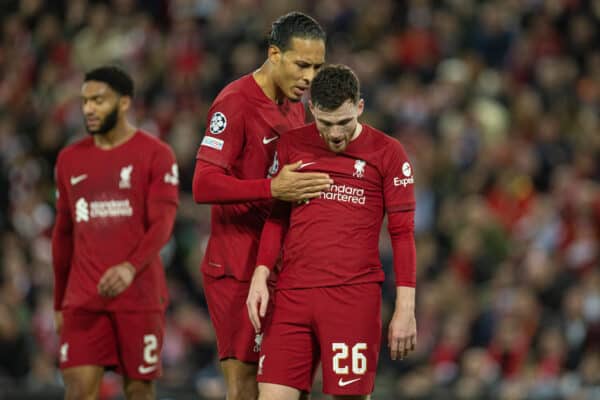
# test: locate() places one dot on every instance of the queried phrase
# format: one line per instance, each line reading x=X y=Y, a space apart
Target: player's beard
x=108 y=124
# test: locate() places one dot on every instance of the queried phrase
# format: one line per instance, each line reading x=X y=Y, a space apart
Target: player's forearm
x=405 y=298
x=62 y=253
x=213 y=185
x=273 y=233
x=401 y=229
x=162 y=218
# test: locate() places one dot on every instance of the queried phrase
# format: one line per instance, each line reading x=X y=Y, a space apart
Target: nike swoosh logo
x=269 y=140
x=343 y=383
x=143 y=369
x=306 y=164
x=76 y=179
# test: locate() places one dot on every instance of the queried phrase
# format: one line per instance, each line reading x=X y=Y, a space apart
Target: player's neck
x=121 y=133
x=357 y=131
x=263 y=78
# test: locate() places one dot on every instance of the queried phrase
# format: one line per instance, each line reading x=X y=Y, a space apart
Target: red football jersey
x=106 y=193
x=243 y=128
x=334 y=239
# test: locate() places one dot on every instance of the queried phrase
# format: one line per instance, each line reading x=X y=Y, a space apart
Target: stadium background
x=497 y=103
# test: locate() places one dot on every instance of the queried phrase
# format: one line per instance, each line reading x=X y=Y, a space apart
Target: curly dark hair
x=294 y=25
x=333 y=86
x=113 y=76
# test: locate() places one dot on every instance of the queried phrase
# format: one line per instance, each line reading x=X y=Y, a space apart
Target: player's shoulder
x=381 y=140
x=75 y=148
x=147 y=139
x=299 y=134
x=234 y=93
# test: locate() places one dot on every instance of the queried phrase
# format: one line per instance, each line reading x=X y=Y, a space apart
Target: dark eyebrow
x=307 y=64
x=93 y=97
x=340 y=122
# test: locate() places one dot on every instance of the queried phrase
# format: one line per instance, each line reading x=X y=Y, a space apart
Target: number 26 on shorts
x=358 y=363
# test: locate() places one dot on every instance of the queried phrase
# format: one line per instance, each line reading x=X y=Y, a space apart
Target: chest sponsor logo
x=345 y=194
x=343 y=383
x=212 y=142
x=218 y=123
x=173 y=176
x=85 y=210
x=125 y=177
x=359 y=168
x=76 y=179
x=267 y=140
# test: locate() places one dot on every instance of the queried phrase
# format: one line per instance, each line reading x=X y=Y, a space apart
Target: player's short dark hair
x=294 y=25
x=333 y=86
x=113 y=76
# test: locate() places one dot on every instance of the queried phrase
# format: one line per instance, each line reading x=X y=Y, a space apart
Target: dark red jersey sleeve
x=161 y=207
x=62 y=240
x=225 y=132
x=401 y=228
x=273 y=234
x=398 y=180
x=214 y=185
x=276 y=226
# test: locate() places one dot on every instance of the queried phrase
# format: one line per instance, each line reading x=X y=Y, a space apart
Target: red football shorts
x=226 y=299
x=338 y=326
x=131 y=342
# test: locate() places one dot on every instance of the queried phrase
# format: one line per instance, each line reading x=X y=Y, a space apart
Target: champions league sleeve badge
x=218 y=123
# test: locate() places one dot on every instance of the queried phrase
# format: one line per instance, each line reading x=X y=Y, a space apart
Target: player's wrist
x=262 y=272
x=129 y=265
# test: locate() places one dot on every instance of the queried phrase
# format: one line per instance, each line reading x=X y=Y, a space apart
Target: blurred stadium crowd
x=497 y=103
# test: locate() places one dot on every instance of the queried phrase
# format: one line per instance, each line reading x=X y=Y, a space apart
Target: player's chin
x=294 y=98
x=338 y=147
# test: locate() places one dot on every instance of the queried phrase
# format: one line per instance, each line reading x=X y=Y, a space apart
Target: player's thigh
x=349 y=334
x=140 y=340
x=271 y=391
x=83 y=382
x=136 y=389
x=240 y=379
x=87 y=338
x=360 y=397
x=290 y=353
x=226 y=299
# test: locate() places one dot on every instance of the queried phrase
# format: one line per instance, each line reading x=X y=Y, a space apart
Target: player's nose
x=308 y=75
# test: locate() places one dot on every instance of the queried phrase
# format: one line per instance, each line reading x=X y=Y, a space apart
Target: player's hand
x=258 y=296
x=58 y=321
x=402 y=334
x=116 y=279
x=291 y=185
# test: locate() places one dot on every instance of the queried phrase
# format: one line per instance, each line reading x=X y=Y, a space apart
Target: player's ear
x=311 y=107
x=274 y=54
x=360 y=107
x=124 y=103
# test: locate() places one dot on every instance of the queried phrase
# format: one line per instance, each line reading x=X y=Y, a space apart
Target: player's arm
x=399 y=197
x=223 y=144
x=161 y=207
x=214 y=184
x=271 y=241
x=402 y=332
x=62 y=248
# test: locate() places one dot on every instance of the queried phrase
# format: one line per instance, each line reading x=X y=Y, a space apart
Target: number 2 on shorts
x=359 y=361
x=150 y=346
